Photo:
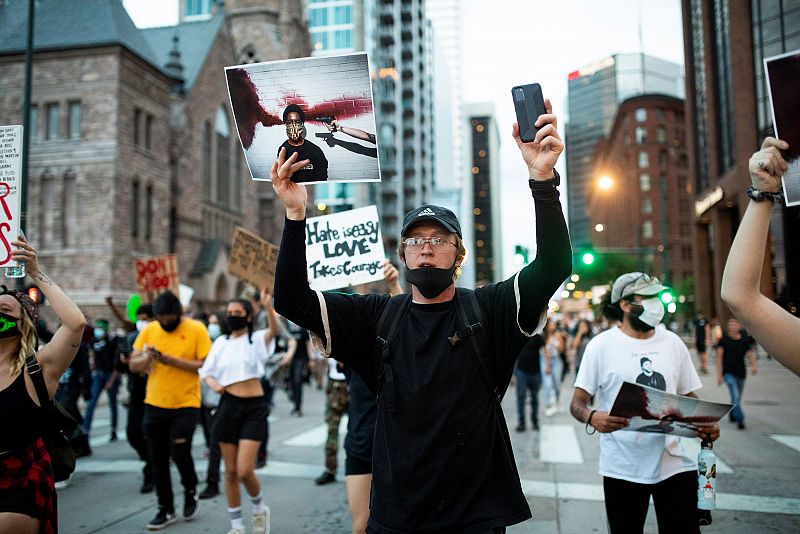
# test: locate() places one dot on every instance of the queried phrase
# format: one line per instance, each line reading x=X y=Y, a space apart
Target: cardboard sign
x=344 y=249
x=156 y=275
x=253 y=259
x=10 y=183
x=782 y=74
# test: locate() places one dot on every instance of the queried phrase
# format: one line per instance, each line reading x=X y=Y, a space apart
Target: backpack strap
x=470 y=316
x=35 y=372
x=395 y=311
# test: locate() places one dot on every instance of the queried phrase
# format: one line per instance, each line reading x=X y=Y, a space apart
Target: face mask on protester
x=430 y=281
x=214 y=331
x=8 y=325
x=237 y=322
x=295 y=131
x=141 y=324
x=649 y=311
x=171 y=326
x=99 y=333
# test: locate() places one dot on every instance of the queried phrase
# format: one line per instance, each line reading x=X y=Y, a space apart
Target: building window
x=68 y=211
x=342 y=15
x=207 y=160
x=223 y=157
x=74 y=118
x=659 y=113
x=198 y=7
x=342 y=39
x=661 y=134
x=647 y=206
x=237 y=178
x=148 y=131
x=52 y=121
x=641 y=114
x=644 y=182
x=148 y=218
x=135 y=209
x=137 y=119
x=662 y=158
x=48 y=216
x=644 y=159
x=318 y=16
x=33 y=125
x=641 y=135
x=647 y=229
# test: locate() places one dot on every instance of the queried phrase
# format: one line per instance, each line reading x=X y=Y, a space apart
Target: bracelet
x=588 y=424
x=757 y=196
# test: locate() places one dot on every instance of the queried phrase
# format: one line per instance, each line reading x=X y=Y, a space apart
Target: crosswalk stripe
x=790 y=441
x=559 y=444
x=314 y=437
x=692 y=447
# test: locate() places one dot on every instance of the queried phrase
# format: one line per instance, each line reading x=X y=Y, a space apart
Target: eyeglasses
x=438 y=244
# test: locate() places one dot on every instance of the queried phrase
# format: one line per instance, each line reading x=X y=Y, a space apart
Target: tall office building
x=481 y=197
x=728 y=115
x=594 y=94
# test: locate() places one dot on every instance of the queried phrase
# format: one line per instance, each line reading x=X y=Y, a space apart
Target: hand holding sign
x=293 y=195
x=767 y=165
x=26 y=253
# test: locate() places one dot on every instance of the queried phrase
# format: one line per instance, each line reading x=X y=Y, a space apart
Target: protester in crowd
x=234 y=369
x=775 y=329
x=75 y=380
x=528 y=380
x=434 y=389
x=27 y=490
x=259 y=313
x=337 y=402
x=105 y=375
x=553 y=366
x=637 y=465
x=563 y=344
x=731 y=369
x=137 y=387
x=702 y=332
x=583 y=334
x=171 y=350
x=358 y=442
x=298 y=367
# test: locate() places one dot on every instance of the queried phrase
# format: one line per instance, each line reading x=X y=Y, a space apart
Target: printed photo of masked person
x=316 y=170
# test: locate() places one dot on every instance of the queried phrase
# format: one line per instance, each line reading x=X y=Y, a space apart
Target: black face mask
x=236 y=322
x=171 y=326
x=430 y=281
x=8 y=326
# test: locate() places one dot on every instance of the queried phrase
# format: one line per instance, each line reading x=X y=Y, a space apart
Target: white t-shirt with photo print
x=614 y=357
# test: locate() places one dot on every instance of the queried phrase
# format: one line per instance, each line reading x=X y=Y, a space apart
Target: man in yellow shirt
x=171 y=349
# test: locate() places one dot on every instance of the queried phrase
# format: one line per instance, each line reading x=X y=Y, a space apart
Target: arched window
x=223 y=156
x=207 y=144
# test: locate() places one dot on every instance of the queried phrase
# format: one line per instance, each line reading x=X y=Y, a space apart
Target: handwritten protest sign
x=253 y=259
x=10 y=183
x=344 y=249
x=156 y=275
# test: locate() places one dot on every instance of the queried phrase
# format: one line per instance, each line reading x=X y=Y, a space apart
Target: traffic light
x=666 y=297
x=35 y=295
x=520 y=255
x=587 y=258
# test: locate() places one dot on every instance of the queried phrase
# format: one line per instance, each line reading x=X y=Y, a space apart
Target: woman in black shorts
x=234 y=368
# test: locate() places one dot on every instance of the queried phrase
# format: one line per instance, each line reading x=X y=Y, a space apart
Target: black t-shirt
x=528 y=360
x=700 y=330
x=302 y=336
x=733 y=353
x=361 y=415
x=105 y=354
x=317 y=168
x=442 y=460
x=654 y=380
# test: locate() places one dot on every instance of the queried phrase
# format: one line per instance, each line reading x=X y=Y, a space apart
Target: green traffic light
x=588 y=258
x=666 y=297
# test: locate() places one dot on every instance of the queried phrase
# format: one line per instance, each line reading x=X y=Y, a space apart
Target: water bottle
x=15 y=271
x=706 y=482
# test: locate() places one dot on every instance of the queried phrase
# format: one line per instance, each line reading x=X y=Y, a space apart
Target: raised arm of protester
x=775 y=329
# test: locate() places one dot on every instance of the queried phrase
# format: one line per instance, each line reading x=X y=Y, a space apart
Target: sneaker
x=550 y=411
x=535 y=426
x=211 y=491
x=113 y=436
x=235 y=531
x=740 y=425
x=190 y=506
x=261 y=522
x=325 y=478
x=261 y=463
x=161 y=520
x=520 y=427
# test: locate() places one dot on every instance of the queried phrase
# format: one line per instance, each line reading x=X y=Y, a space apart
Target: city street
x=757 y=485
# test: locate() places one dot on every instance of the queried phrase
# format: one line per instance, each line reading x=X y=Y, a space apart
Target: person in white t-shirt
x=638 y=465
x=234 y=368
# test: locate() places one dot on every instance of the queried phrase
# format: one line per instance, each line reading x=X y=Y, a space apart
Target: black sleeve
x=323 y=164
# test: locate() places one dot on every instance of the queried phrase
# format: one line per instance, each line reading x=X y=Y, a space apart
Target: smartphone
x=529 y=104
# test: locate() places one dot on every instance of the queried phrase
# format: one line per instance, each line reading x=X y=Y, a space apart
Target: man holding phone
x=442 y=458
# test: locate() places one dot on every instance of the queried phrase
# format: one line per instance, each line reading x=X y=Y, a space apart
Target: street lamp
x=599 y=227
x=605 y=182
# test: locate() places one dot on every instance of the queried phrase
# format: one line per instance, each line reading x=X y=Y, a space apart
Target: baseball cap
x=635 y=283
x=429 y=212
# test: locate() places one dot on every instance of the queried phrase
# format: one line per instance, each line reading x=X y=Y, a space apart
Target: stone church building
x=133 y=150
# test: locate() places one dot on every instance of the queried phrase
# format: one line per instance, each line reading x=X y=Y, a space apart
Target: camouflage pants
x=335 y=406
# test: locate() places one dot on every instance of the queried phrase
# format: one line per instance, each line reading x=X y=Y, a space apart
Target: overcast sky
x=513 y=42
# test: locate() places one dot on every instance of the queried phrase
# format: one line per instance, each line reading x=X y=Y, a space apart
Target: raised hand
x=541 y=154
x=293 y=195
x=767 y=165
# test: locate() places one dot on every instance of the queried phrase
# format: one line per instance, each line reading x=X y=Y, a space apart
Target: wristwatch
x=555 y=182
x=758 y=196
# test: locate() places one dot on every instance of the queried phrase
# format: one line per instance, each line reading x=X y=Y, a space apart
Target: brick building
x=640 y=200
x=133 y=148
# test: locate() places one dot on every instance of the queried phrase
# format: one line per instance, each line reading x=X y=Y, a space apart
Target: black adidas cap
x=441 y=215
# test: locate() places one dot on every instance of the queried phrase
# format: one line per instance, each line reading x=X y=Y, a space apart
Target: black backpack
x=59 y=426
x=472 y=328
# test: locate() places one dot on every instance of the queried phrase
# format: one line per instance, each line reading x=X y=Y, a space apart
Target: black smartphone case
x=529 y=104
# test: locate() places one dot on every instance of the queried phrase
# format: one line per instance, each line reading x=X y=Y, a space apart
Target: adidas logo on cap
x=426 y=211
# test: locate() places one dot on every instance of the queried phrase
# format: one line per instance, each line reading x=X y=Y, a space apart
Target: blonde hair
x=28 y=341
x=461 y=250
